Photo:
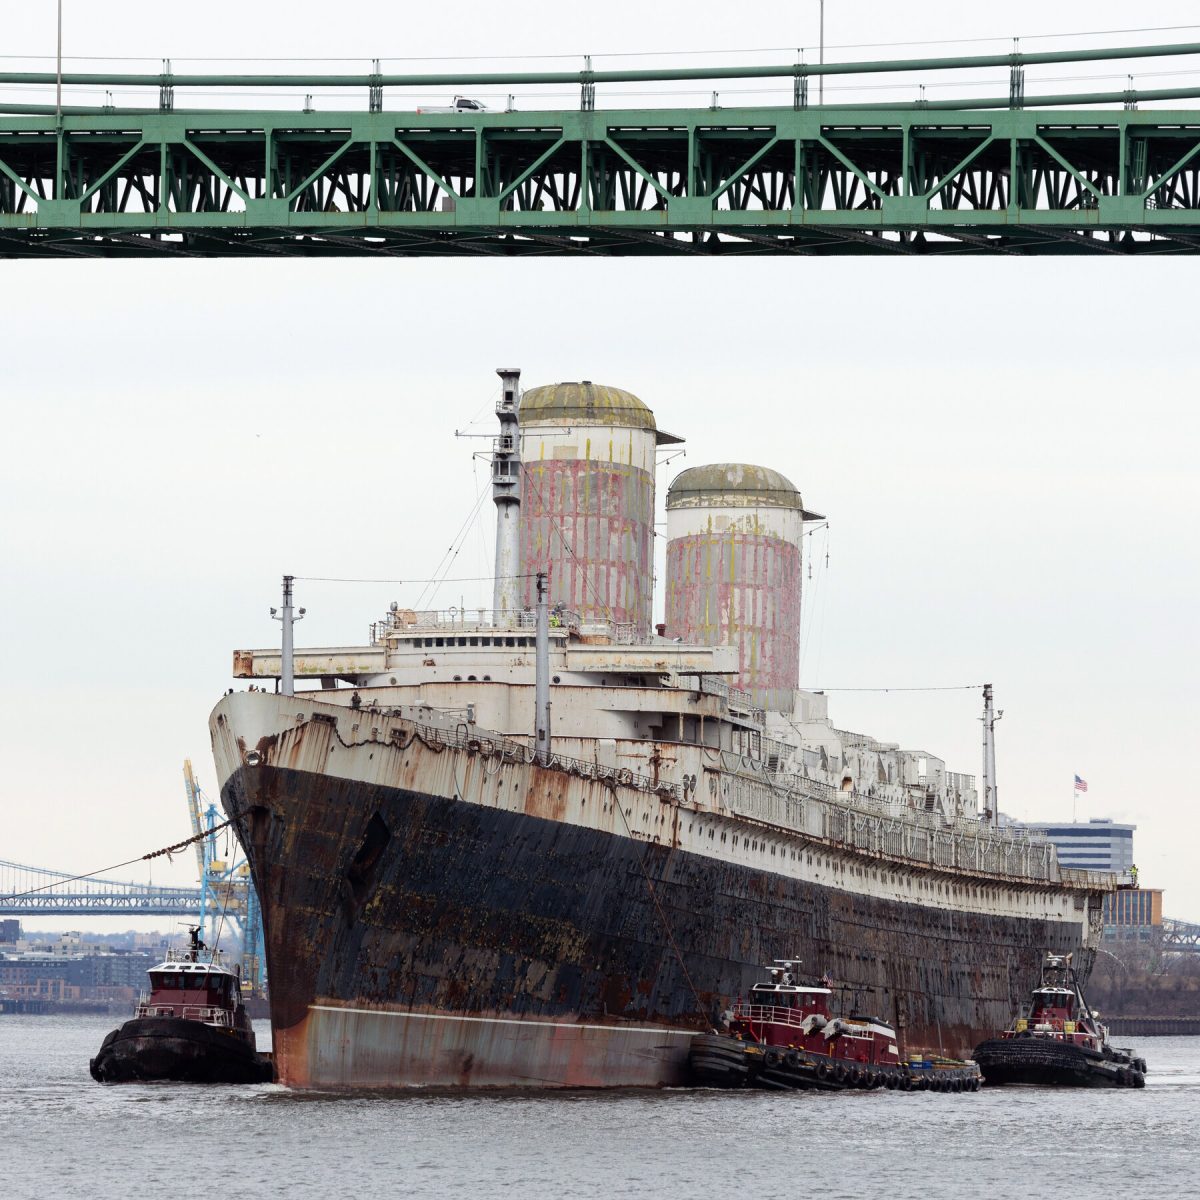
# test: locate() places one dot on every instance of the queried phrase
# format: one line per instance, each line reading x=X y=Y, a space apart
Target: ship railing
x=485 y=620
x=812 y=808
x=920 y=838
x=768 y=1014
x=737 y=700
x=708 y=685
x=154 y=1010
x=857 y=740
x=1101 y=880
x=209 y=1014
x=476 y=741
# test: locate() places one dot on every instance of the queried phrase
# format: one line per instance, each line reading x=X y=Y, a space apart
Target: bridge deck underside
x=725 y=181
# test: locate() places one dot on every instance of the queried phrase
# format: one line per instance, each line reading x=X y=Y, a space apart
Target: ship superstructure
x=544 y=843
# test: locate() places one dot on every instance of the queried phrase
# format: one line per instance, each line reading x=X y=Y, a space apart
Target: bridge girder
x=708 y=181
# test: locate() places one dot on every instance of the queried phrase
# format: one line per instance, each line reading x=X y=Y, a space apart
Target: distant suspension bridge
x=38 y=891
x=226 y=892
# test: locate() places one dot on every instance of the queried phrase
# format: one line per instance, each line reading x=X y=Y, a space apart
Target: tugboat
x=1057 y=1039
x=784 y=1036
x=192 y=1028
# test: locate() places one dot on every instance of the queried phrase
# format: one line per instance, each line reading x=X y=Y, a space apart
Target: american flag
x=1080 y=784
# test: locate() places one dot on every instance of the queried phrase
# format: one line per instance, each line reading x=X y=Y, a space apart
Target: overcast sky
x=1005 y=448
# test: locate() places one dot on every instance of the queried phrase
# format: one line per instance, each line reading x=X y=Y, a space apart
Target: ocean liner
x=547 y=843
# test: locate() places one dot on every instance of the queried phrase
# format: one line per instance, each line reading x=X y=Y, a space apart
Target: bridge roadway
x=58 y=894
x=1017 y=174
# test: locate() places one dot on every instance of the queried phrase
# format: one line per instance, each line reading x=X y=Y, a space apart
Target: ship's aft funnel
x=733 y=572
x=587 y=500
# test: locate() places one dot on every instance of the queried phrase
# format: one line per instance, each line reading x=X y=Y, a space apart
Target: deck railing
x=793 y=804
x=768 y=1014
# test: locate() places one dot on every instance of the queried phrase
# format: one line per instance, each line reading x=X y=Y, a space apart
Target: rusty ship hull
x=440 y=913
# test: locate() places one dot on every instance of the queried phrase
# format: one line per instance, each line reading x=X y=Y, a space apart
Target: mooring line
x=117 y=866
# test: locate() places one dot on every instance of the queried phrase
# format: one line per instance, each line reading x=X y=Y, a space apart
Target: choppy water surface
x=63 y=1135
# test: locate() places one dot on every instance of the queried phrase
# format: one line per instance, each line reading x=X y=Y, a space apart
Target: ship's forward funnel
x=587 y=500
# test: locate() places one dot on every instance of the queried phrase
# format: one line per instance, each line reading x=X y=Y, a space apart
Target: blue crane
x=226 y=889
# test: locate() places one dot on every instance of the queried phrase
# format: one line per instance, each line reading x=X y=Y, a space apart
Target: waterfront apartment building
x=1095 y=845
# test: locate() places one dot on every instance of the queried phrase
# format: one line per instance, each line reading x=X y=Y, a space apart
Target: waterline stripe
x=379 y=1012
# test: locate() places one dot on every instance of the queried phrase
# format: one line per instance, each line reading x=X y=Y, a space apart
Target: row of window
x=930 y=886
x=503 y=642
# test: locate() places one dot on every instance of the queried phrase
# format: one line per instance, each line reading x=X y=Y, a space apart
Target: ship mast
x=287 y=658
x=991 y=801
x=506 y=493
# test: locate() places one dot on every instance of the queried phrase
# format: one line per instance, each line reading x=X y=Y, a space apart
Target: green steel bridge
x=1079 y=173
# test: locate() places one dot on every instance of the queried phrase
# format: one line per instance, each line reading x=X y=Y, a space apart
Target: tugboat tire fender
x=792 y=1059
x=822 y=1071
x=771 y=1058
x=839 y=1074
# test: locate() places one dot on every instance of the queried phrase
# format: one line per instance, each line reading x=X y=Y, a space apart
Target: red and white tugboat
x=785 y=1036
x=1057 y=1039
x=192 y=1028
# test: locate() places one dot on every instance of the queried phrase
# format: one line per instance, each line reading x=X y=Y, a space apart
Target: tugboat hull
x=717 y=1060
x=1046 y=1061
x=171 y=1048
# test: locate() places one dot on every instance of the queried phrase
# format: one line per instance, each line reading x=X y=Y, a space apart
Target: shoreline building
x=1096 y=845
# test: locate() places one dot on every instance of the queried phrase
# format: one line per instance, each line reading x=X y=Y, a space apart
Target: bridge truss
x=37 y=891
x=1016 y=174
x=1181 y=937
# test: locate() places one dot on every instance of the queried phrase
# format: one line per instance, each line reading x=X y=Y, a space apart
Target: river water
x=61 y=1135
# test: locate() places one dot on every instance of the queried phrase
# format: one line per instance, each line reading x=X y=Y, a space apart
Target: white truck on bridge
x=462 y=104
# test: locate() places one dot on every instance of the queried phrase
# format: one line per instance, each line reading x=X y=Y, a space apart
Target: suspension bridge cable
x=723 y=50
x=117 y=866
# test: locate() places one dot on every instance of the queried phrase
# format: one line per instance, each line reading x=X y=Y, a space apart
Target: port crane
x=226 y=889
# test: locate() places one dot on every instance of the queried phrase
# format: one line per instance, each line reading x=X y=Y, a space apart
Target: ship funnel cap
x=732 y=485
x=584 y=403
